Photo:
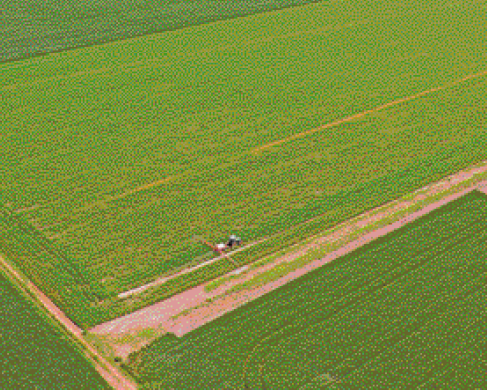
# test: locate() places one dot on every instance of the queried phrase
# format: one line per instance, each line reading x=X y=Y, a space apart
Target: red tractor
x=221 y=248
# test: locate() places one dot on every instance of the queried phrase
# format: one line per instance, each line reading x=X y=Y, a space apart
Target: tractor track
x=195 y=307
x=364 y=113
x=163 y=280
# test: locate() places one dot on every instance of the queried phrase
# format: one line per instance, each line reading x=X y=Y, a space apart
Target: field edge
x=62 y=323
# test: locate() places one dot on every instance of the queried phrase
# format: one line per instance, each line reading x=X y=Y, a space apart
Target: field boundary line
x=108 y=372
x=163 y=280
x=251 y=293
x=188 y=310
x=364 y=113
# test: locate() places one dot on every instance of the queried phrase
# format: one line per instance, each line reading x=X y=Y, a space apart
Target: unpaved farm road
x=160 y=281
x=159 y=316
x=338 y=122
x=106 y=370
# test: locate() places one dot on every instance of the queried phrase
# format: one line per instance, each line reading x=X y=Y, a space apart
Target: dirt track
x=108 y=372
x=159 y=281
x=361 y=114
x=195 y=301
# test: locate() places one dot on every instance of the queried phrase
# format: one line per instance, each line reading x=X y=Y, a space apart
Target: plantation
x=114 y=157
x=34 y=28
x=405 y=310
x=34 y=354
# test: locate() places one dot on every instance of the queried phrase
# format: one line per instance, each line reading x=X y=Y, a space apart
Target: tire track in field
x=155 y=314
x=157 y=282
x=141 y=188
x=367 y=112
x=338 y=122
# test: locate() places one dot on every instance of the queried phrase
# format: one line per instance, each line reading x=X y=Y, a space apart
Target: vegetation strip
x=350 y=232
x=48 y=353
x=85 y=126
x=197 y=306
x=418 y=289
x=106 y=369
x=361 y=114
x=33 y=29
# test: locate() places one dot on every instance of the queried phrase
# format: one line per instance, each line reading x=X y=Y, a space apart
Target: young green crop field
x=31 y=27
x=114 y=157
x=36 y=354
x=404 y=311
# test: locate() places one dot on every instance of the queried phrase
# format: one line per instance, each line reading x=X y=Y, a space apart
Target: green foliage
x=33 y=353
x=315 y=254
x=405 y=309
x=91 y=134
x=50 y=269
x=34 y=28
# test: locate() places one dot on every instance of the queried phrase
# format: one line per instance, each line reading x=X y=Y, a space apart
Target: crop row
x=288 y=237
x=450 y=334
x=383 y=317
x=124 y=231
x=120 y=154
x=342 y=318
x=35 y=352
x=49 y=269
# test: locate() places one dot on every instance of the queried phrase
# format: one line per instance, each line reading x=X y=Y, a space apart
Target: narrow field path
x=160 y=281
x=364 y=113
x=105 y=368
x=193 y=308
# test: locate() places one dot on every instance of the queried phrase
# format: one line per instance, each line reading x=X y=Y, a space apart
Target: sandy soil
x=192 y=308
x=109 y=373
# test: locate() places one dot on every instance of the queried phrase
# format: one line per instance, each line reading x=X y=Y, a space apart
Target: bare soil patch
x=195 y=307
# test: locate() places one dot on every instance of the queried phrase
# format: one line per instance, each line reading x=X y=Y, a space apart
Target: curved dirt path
x=191 y=309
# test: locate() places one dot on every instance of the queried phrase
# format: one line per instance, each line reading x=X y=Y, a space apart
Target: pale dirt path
x=113 y=377
x=227 y=303
x=158 y=316
x=160 y=281
x=361 y=114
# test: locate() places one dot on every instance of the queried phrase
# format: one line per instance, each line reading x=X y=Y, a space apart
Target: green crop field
x=36 y=354
x=30 y=27
x=114 y=157
x=403 y=311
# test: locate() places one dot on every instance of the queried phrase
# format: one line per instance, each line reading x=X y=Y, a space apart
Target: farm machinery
x=221 y=248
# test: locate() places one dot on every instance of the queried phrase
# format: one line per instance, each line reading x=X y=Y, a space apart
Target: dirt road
x=199 y=307
x=106 y=370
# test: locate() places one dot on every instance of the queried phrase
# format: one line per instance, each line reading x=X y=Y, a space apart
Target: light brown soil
x=361 y=114
x=191 y=309
x=141 y=188
x=160 y=281
x=109 y=373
